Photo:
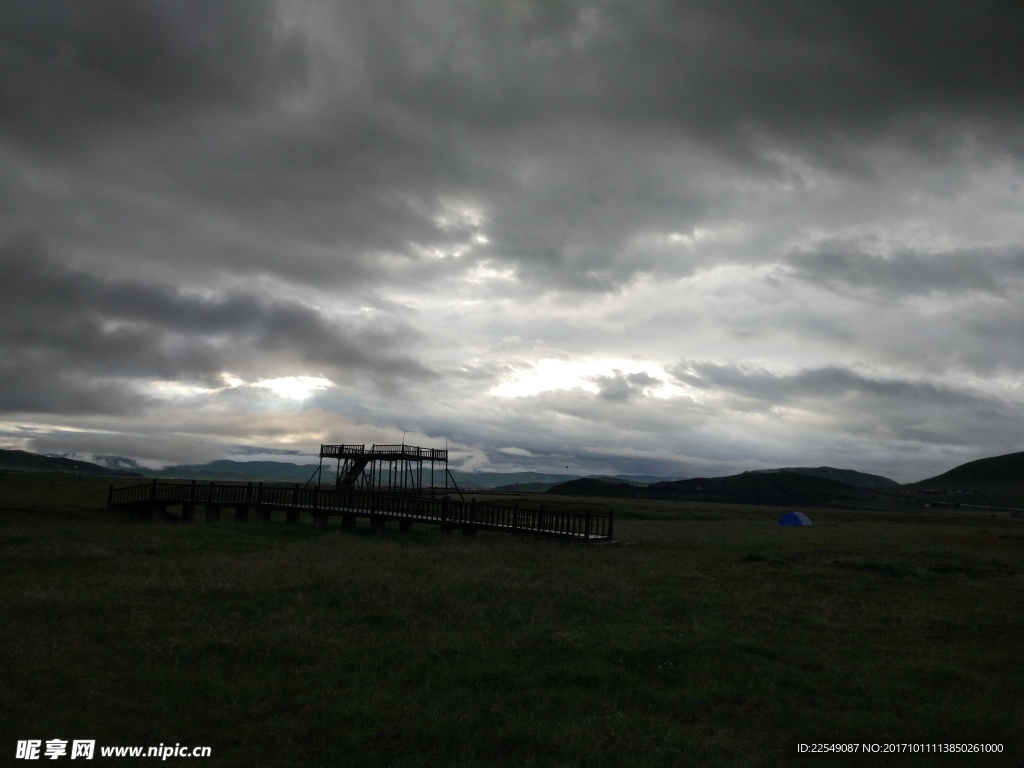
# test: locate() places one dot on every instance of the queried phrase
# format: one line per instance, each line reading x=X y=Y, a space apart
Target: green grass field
x=708 y=637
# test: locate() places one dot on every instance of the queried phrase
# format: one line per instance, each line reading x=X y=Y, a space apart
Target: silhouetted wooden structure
x=156 y=497
x=391 y=468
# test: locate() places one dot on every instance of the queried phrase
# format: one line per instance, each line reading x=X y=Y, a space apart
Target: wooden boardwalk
x=322 y=503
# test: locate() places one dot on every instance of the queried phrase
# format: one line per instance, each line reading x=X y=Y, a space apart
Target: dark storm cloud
x=817 y=71
x=856 y=403
x=71 y=325
x=621 y=387
x=39 y=386
x=847 y=266
x=709 y=67
x=553 y=90
x=228 y=186
x=74 y=69
x=569 y=124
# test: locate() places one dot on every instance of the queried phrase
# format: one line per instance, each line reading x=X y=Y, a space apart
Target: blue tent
x=794 y=518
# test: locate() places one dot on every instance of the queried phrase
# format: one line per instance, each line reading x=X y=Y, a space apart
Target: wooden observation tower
x=387 y=468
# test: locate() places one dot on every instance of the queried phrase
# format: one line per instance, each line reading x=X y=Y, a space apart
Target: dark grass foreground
x=715 y=638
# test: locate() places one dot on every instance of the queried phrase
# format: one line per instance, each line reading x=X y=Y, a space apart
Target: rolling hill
x=994 y=481
x=1008 y=469
x=24 y=461
x=592 y=486
x=787 y=488
x=240 y=471
x=848 y=476
x=763 y=488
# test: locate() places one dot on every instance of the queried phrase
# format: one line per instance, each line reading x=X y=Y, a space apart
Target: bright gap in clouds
x=291 y=387
x=550 y=374
x=295 y=387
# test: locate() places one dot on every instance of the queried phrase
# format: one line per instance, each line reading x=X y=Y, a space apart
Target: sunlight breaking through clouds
x=516 y=226
x=549 y=374
x=295 y=387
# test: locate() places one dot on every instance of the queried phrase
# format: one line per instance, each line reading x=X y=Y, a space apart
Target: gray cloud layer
x=423 y=201
x=87 y=329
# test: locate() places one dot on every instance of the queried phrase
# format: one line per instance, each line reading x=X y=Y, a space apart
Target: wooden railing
x=410 y=452
x=323 y=502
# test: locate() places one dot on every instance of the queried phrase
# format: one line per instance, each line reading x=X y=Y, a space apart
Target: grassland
x=708 y=637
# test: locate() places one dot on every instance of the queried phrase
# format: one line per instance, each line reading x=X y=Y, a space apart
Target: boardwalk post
x=242 y=512
x=588 y=527
x=291 y=515
x=611 y=518
x=211 y=515
x=376 y=519
x=373 y=505
x=319 y=519
x=157 y=513
x=263 y=511
x=110 y=495
x=515 y=517
x=188 y=508
x=445 y=528
x=470 y=530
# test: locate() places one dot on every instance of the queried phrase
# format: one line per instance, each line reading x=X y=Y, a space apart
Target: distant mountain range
x=23 y=461
x=225 y=469
x=848 y=476
x=779 y=487
x=239 y=471
x=997 y=470
x=998 y=480
x=1004 y=471
x=271 y=471
x=995 y=481
x=279 y=471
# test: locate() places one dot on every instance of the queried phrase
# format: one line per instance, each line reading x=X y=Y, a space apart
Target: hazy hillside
x=592 y=486
x=282 y=471
x=791 y=488
x=995 y=481
x=640 y=481
x=996 y=469
x=493 y=479
x=762 y=488
x=523 y=487
x=225 y=469
x=848 y=476
x=32 y=462
x=241 y=471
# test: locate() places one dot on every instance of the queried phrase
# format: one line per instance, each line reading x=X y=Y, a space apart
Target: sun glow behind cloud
x=549 y=374
x=295 y=387
x=287 y=387
x=549 y=264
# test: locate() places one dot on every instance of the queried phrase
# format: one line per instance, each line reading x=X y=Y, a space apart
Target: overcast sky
x=678 y=238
